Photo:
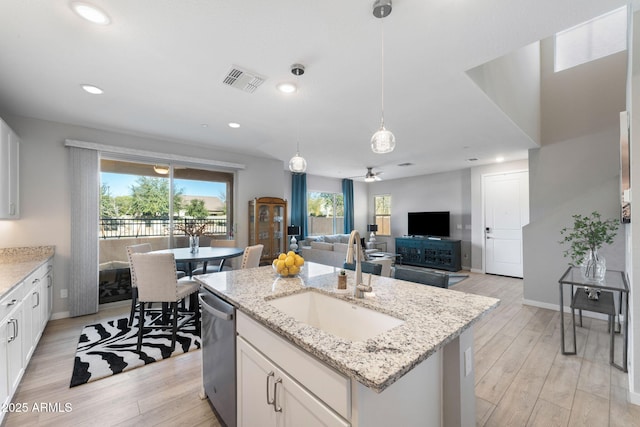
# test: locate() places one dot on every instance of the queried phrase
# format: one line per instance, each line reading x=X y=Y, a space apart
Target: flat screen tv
x=428 y=224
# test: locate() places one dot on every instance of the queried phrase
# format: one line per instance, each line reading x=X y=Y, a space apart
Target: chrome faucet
x=359 y=288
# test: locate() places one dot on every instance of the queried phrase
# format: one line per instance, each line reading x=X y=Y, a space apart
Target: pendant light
x=297 y=164
x=383 y=141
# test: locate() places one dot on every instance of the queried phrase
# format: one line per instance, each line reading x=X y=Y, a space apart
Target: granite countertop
x=432 y=318
x=18 y=263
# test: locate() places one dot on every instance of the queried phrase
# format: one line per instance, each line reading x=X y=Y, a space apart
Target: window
x=325 y=212
x=594 y=39
x=382 y=205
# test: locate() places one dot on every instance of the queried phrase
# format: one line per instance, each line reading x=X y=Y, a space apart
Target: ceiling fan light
x=383 y=141
x=297 y=164
x=369 y=178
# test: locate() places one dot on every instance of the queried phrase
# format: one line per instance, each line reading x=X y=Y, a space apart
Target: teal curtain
x=299 y=202
x=347 y=192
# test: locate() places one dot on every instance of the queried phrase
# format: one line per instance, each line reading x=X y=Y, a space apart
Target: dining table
x=204 y=255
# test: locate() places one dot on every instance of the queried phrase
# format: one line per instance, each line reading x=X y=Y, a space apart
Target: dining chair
x=135 y=249
x=157 y=282
x=206 y=268
x=251 y=256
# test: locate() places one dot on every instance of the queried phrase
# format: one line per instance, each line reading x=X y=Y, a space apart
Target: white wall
x=45 y=186
x=513 y=83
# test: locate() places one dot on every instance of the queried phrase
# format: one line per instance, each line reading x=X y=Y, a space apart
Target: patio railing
x=115 y=228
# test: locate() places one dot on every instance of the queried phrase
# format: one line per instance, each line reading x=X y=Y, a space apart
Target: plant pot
x=593 y=267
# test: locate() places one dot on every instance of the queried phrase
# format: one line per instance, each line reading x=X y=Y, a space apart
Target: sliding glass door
x=145 y=202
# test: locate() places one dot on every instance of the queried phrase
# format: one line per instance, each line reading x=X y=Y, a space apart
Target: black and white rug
x=109 y=348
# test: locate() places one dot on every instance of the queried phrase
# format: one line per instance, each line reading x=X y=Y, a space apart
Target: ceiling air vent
x=243 y=79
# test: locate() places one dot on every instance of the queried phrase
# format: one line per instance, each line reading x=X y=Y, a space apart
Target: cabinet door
x=47 y=294
x=14 y=175
x=278 y=230
x=301 y=408
x=14 y=330
x=261 y=382
x=5 y=327
x=36 y=310
x=9 y=173
x=26 y=327
x=256 y=377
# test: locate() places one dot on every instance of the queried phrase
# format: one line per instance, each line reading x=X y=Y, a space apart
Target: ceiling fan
x=372 y=176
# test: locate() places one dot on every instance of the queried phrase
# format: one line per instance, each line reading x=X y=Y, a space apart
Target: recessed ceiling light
x=287 y=87
x=94 y=90
x=234 y=125
x=204 y=125
x=499 y=159
x=91 y=13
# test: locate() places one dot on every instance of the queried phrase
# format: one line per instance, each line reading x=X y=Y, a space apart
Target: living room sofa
x=331 y=250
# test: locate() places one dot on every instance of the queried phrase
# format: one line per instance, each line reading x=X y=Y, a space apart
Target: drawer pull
x=12 y=302
x=276 y=407
x=270 y=401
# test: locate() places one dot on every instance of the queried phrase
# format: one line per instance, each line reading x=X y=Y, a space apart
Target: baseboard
x=60 y=315
x=555 y=307
x=476 y=270
x=634 y=397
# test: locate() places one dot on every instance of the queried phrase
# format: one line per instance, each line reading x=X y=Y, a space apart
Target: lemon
x=299 y=261
x=282 y=256
x=284 y=272
x=291 y=253
x=280 y=265
x=289 y=261
x=294 y=270
x=275 y=261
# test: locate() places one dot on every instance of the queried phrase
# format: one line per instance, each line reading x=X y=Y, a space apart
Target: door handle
x=270 y=401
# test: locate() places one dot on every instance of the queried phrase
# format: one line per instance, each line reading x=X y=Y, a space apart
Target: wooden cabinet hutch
x=267 y=226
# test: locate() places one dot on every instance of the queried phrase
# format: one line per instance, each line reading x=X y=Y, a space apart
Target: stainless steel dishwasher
x=219 y=355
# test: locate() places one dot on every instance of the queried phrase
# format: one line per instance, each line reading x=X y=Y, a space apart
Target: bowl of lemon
x=288 y=265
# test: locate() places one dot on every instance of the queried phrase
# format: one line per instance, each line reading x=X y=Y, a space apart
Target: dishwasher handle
x=212 y=310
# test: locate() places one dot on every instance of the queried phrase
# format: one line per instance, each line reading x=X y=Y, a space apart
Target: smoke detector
x=242 y=79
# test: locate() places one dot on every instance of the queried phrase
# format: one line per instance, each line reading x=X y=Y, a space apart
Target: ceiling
x=161 y=64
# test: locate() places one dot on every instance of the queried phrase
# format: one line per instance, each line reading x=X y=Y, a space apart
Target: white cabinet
x=47 y=295
x=268 y=396
x=24 y=313
x=12 y=334
x=9 y=173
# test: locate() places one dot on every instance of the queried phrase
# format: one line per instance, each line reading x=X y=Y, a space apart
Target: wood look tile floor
x=521 y=377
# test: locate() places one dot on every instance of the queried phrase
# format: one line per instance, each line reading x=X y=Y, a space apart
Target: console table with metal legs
x=613 y=282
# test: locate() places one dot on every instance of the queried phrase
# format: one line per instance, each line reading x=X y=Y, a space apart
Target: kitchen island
x=416 y=373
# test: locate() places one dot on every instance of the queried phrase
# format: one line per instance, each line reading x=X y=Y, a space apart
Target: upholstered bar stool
x=156 y=281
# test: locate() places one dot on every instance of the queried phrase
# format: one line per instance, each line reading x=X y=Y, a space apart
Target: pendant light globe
x=297 y=164
x=383 y=141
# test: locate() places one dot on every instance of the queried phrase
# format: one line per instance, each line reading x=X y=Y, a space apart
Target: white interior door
x=506 y=211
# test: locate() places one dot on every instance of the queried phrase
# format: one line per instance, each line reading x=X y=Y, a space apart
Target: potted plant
x=588 y=235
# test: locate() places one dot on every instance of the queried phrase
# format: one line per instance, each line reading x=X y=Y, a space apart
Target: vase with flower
x=193 y=231
x=586 y=237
